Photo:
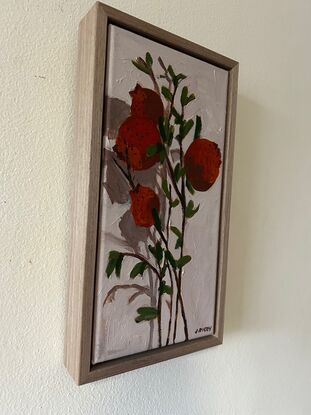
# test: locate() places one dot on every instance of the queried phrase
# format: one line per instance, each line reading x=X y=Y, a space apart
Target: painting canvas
x=160 y=197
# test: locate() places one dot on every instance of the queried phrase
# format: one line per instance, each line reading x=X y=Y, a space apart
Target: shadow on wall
x=243 y=209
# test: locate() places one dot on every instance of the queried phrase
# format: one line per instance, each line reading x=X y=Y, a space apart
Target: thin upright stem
x=169 y=81
x=178 y=284
x=171 y=306
x=172 y=104
x=159 y=307
x=181 y=156
x=170 y=275
x=171 y=172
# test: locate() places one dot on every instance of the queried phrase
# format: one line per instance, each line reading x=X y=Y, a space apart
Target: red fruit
x=202 y=163
x=134 y=137
x=143 y=200
x=146 y=103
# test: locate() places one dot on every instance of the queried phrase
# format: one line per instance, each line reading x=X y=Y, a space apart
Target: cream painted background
x=264 y=366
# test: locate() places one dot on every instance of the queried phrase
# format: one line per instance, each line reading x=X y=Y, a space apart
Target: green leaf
x=115 y=259
x=183 y=261
x=195 y=211
x=189 y=187
x=175 y=112
x=176 y=231
x=167 y=93
x=113 y=255
x=198 y=126
x=162 y=123
x=153 y=149
x=171 y=135
x=178 y=117
x=190 y=210
x=176 y=172
x=171 y=72
x=178 y=243
x=163 y=271
x=165 y=131
x=185 y=99
x=174 y=203
x=156 y=219
x=138 y=269
x=119 y=265
x=170 y=258
x=141 y=65
x=184 y=96
x=190 y=98
x=162 y=156
x=185 y=128
x=110 y=267
x=179 y=172
x=146 y=314
x=180 y=77
x=166 y=189
x=149 y=59
x=165 y=289
x=152 y=250
x=159 y=251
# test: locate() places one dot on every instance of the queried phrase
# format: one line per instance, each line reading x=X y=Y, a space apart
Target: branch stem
x=127 y=174
x=140 y=288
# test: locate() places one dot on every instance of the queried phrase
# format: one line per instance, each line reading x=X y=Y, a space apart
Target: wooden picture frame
x=89 y=125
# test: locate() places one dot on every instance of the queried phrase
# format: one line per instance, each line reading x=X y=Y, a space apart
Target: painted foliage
x=160 y=198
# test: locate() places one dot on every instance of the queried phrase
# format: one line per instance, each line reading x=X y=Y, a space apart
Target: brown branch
x=170 y=274
x=168 y=80
x=171 y=308
x=181 y=155
x=138 y=293
x=171 y=172
x=172 y=104
x=126 y=175
x=159 y=307
x=111 y=293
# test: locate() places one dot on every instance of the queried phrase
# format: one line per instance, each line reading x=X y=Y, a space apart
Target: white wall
x=264 y=365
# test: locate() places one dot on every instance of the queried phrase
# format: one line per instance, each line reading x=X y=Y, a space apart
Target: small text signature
x=203 y=330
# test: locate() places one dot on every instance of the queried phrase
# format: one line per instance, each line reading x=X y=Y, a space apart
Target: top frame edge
x=157 y=34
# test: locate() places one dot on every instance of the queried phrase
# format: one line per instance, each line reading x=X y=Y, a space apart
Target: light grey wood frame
x=89 y=119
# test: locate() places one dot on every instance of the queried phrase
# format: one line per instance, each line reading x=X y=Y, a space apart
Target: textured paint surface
x=264 y=366
x=116 y=333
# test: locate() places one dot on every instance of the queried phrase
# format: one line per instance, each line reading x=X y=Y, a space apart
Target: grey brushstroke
x=147 y=177
x=175 y=154
x=115 y=184
x=118 y=190
x=132 y=233
x=153 y=302
x=116 y=112
x=117 y=241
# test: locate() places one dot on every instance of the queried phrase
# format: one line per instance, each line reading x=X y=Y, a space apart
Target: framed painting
x=154 y=153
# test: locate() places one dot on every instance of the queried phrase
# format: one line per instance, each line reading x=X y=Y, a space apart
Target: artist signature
x=203 y=330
